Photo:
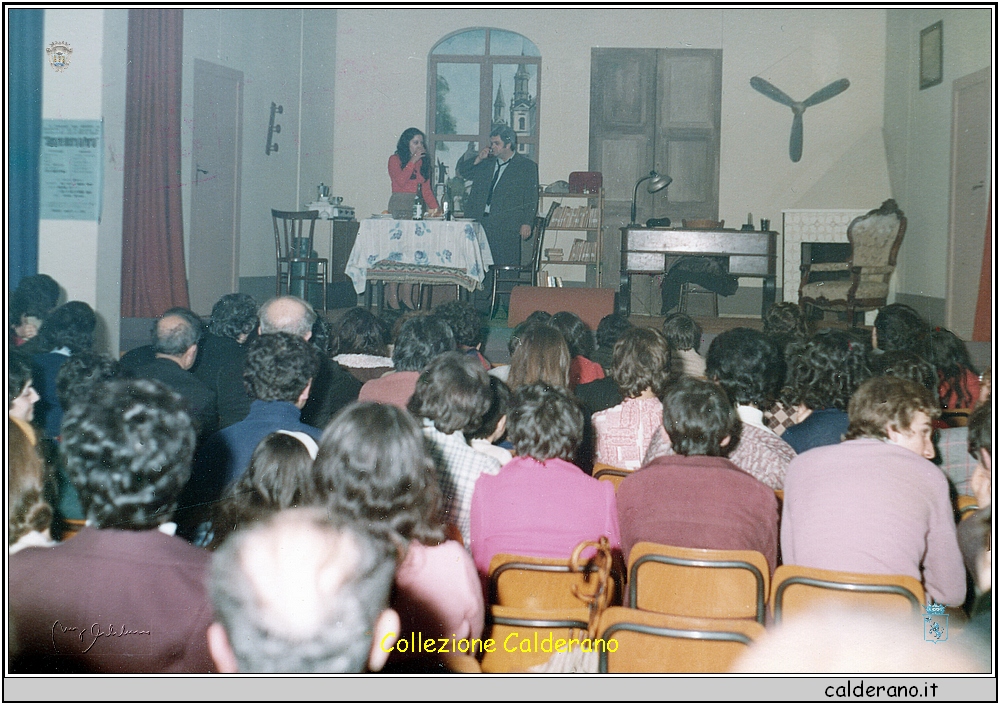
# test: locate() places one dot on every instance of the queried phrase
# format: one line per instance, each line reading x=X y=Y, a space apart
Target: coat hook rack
x=273 y=129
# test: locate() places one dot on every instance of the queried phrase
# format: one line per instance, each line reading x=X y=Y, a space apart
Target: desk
x=434 y=244
x=646 y=250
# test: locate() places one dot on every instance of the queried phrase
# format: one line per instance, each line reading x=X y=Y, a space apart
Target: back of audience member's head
x=280 y=476
x=373 y=468
x=610 y=329
x=579 y=337
x=359 y=333
x=900 y=327
x=41 y=290
x=127 y=450
x=420 y=340
x=499 y=405
x=279 y=366
x=464 y=321
x=905 y=365
x=824 y=371
x=301 y=593
x=68 y=326
x=975 y=542
x=453 y=391
x=699 y=418
x=234 y=316
x=887 y=403
x=81 y=374
x=27 y=509
x=748 y=366
x=25 y=315
x=542 y=355
x=785 y=319
x=640 y=362
x=176 y=331
x=287 y=314
x=544 y=422
x=682 y=332
x=950 y=357
x=980 y=443
x=18 y=375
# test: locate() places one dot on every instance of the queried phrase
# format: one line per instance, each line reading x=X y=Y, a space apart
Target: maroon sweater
x=698 y=502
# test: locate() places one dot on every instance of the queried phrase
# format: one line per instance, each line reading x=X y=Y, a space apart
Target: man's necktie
x=493 y=184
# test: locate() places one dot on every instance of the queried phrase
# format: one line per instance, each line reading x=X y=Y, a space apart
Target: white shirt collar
x=752 y=415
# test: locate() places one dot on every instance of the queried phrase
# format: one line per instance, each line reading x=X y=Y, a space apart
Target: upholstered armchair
x=862 y=282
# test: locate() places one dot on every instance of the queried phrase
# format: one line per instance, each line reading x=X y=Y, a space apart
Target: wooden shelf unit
x=586 y=213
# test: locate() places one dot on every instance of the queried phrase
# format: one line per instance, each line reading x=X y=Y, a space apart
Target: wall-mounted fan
x=798 y=107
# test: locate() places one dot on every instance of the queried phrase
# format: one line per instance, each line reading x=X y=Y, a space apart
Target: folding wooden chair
x=537 y=583
x=609 y=473
x=509 y=627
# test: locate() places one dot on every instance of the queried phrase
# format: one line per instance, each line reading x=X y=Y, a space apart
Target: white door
x=215 y=185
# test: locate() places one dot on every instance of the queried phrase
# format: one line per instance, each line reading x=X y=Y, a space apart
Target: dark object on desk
x=748 y=228
x=658 y=223
x=585 y=181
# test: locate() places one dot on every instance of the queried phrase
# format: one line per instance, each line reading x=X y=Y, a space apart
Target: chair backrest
x=538 y=583
x=698 y=582
x=965 y=505
x=508 y=627
x=289 y=226
x=956 y=417
x=646 y=642
x=877 y=236
x=797 y=589
x=538 y=233
x=609 y=473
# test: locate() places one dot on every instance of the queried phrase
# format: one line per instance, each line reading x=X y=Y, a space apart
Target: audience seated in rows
x=875 y=503
x=222 y=351
x=421 y=338
x=696 y=498
x=683 y=336
x=359 y=345
x=580 y=340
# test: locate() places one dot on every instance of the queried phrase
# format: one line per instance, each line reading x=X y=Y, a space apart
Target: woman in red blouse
x=410 y=169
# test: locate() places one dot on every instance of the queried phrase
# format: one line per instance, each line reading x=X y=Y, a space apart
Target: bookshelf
x=577 y=224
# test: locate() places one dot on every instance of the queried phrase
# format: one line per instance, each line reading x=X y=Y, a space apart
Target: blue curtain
x=25 y=61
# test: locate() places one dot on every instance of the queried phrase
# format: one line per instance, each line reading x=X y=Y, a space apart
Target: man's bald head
x=176 y=332
x=287 y=314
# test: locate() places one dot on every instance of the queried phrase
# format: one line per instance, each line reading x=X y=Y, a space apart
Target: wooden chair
x=796 y=589
x=520 y=270
x=71 y=527
x=862 y=282
x=609 y=473
x=537 y=583
x=698 y=582
x=510 y=626
x=646 y=642
x=293 y=247
x=965 y=506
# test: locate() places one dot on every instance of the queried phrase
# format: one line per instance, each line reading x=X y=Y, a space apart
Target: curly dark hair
x=37 y=294
x=610 y=329
x=128 y=450
x=453 y=391
x=279 y=366
x=824 y=371
x=71 y=326
x=785 y=319
x=899 y=327
x=279 y=477
x=27 y=509
x=948 y=354
x=373 y=466
x=359 y=332
x=80 y=374
x=420 y=340
x=887 y=402
x=233 y=315
x=579 y=337
x=464 y=321
x=499 y=405
x=748 y=366
x=641 y=361
x=905 y=365
x=697 y=416
x=18 y=375
x=403 y=151
x=544 y=422
x=682 y=332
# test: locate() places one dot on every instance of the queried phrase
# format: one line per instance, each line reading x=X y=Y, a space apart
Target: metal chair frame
x=292 y=225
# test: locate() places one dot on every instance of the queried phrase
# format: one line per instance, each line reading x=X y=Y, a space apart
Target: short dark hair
x=39 y=292
x=453 y=391
x=610 y=329
x=981 y=431
x=947 y=352
x=176 y=339
x=499 y=405
x=279 y=366
x=641 y=361
x=80 y=374
x=785 y=319
x=233 y=315
x=900 y=327
x=420 y=340
x=464 y=321
x=682 y=332
x=697 y=416
x=344 y=574
x=887 y=402
x=748 y=366
x=373 y=467
x=905 y=365
x=18 y=375
x=579 y=337
x=127 y=450
x=71 y=326
x=544 y=422
x=359 y=332
x=824 y=371
x=505 y=133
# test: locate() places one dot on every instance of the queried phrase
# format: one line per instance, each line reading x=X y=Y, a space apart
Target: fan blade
x=795 y=141
x=835 y=88
x=762 y=86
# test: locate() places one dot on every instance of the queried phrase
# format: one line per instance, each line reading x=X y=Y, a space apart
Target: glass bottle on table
x=419 y=207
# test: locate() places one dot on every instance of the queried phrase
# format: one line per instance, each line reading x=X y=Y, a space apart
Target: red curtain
x=153 y=272
x=982 y=326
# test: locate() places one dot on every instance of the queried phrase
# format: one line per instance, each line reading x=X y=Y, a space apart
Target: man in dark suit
x=504 y=195
x=124 y=595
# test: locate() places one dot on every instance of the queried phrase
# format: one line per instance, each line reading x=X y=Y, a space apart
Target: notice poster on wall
x=71 y=170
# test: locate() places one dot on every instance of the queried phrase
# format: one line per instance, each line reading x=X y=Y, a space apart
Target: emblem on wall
x=59 y=55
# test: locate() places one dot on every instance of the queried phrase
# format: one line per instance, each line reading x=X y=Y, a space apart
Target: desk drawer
x=645 y=261
x=748 y=265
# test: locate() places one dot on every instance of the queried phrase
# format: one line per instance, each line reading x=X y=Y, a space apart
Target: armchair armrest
x=860 y=269
x=826 y=267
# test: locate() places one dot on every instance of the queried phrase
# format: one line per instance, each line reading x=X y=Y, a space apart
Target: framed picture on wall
x=931 y=56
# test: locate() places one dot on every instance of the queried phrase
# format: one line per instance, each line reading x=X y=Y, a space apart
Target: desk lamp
x=658 y=183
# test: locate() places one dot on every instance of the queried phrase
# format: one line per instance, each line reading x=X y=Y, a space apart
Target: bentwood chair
x=538 y=583
x=508 y=627
x=796 y=589
x=523 y=273
x=296 y=269
x=609 y=473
